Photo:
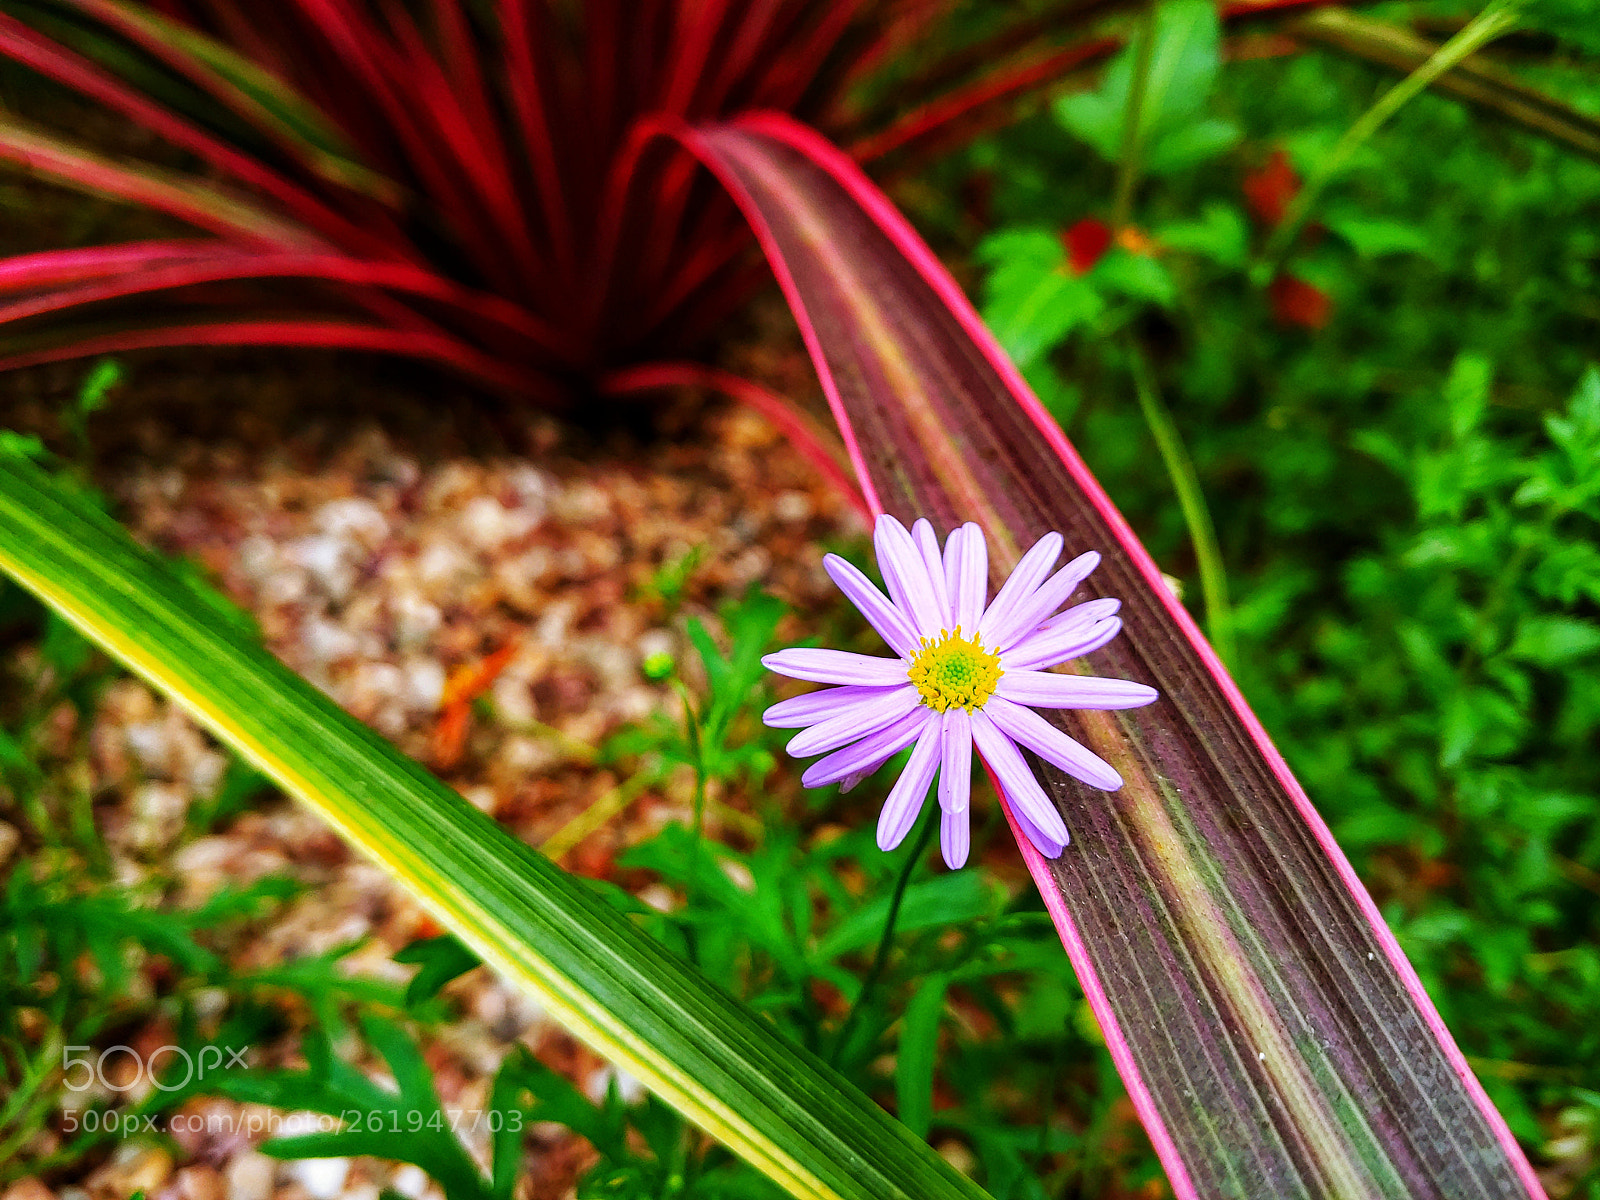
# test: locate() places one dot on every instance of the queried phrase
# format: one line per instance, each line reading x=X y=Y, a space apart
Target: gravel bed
x=381 y=565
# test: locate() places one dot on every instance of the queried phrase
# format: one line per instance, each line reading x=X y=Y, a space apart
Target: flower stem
x=1202 y=535
x=1494 y=20
x=696 y=743
x=881 y=958
x=1132 y=150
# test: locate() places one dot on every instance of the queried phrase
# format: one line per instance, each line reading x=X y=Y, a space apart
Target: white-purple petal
x=1046 y=689
x=928 y=545
x=1021 y=584
x=869 y=752
x=857 y=722
x=955 y=771
x=966 y=574
x=1074 y=633
x=955 y=838
x=1016 y=779
x=836 y=666
x=906 y=576
x=892 y=624
x=1029 y=729
x=910 y=790
x=1046 y=845
x=1076 y=644
x=1092 y=639
x=1029 y=613
x=799 y=711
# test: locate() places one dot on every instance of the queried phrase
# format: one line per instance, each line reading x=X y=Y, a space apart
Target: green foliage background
x=1405 y=499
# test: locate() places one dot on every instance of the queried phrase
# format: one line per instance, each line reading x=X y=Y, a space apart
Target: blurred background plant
x=484 y=187
x=1379 y=448
x=1368 y=387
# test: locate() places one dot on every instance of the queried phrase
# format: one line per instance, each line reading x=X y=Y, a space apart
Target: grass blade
x=1484 y=84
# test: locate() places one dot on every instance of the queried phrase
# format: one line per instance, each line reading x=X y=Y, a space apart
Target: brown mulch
x=388 y=551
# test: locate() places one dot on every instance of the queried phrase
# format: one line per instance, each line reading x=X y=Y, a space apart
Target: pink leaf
x=1273 y=1037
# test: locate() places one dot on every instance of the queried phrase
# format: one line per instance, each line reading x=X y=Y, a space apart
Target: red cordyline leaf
x=1272 y=1035
x=803 y=433
x=481 y=140
x=507 y=146
x=203 y=206
x=341 y=335
x=111 y=272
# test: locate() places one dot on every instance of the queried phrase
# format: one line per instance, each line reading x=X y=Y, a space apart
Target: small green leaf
x=1183 y=66
x=1032 y=298
x=556 y=1099
x=1190 y=145
x=1219 y=235
x=945 y=899
x=1499 y=952
x=96 y=387
x=1372 y=238
x=1136 y=276
x=1466 y=392
x=443 y=958
x=1550 y=641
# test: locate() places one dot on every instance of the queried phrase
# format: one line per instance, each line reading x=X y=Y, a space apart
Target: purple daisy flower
x=967 y=675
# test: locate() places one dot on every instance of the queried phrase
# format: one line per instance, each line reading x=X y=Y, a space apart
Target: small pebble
x=322 y=1178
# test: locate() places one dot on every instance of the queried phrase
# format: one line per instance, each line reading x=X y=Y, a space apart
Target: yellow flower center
x=954 y=672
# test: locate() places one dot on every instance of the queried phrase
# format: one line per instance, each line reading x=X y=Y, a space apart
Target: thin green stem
x=650 y=773
x=881 y=958
x=1498 y=18
x=697 y=752
x=1202 y=535
x=28 y=1105
x=573 y=748
x=1131 y=155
